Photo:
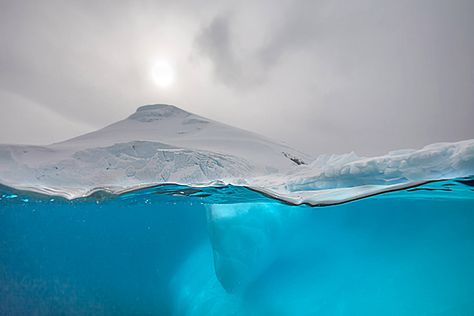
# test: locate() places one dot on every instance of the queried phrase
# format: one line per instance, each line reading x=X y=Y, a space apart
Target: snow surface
x=157 y=144
x=164 y=144
x=339 y=178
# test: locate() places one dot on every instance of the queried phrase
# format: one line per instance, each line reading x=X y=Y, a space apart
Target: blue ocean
x=177 y=250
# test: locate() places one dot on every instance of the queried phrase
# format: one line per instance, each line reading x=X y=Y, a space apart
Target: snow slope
x=157 y=144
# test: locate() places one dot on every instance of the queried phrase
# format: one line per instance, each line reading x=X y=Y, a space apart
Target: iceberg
x=170 y=213
x=160 y=144
x=341 y=178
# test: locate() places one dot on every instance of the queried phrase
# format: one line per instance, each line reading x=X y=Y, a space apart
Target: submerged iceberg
x=176 y=250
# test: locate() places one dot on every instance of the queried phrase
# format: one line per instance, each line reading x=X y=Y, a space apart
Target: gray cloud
x=215 y=43
x=326 y=76
x=232 y=68
x=247 y=69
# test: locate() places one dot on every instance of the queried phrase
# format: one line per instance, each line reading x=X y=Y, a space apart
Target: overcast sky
x=324 y=76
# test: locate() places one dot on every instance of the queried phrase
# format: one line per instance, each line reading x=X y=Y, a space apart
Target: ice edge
x=285 y=198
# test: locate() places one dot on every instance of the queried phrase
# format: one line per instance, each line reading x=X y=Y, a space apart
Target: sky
x=331 y=76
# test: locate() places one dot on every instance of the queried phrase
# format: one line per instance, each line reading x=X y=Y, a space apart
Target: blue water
x=174 y=250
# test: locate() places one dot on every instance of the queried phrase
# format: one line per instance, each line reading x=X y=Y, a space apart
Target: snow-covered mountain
x=157 y=144
x=164 y=144
x=168 y=124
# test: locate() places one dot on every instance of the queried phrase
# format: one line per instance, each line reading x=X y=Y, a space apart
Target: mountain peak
x=156 y=112
x=156 y=107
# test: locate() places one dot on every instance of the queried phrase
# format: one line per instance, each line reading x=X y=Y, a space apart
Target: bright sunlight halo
x=163 y=74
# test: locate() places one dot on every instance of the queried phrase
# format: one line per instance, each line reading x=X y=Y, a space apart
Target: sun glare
x=163 y=74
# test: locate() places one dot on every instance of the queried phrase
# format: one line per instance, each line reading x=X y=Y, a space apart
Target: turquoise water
x=174 y=250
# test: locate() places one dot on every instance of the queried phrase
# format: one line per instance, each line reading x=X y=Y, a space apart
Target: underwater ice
x=230 y=251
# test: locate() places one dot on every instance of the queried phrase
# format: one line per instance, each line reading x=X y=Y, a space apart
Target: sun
x=163 y=74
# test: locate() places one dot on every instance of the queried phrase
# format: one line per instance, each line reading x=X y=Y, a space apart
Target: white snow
x=157 y=144
x=164 y=144
x=170 y=125
x=339 y=178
